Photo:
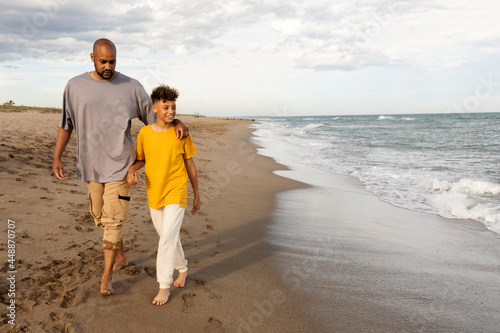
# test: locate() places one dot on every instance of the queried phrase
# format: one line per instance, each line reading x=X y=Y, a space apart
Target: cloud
x=31 y=31
x=320 y=35
x=354 y=35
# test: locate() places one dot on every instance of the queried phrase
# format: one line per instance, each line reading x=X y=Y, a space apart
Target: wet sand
x=358 y=264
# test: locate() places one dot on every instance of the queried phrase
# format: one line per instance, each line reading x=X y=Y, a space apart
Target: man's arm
x=193 y=178
x=180 y=129
x=62 y=140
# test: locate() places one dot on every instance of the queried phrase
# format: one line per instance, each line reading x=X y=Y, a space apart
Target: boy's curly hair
x=164 y=93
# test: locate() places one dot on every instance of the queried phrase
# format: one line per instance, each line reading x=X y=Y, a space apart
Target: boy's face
x=165 y=111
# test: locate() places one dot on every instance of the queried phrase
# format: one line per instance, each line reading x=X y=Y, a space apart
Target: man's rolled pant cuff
x=106 y=245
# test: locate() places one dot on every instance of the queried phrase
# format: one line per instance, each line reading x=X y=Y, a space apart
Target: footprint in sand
x=204 y=284
x=55 y=316
x=83 y=229
x=214 y=324
x=26 y=305
x=68 y=298
x=23 y=235
x=83 y=218
x=73 y=297
x=150 y=270
x=64 y=326
x=188 y=299
x=132 y=270
x=55 y=286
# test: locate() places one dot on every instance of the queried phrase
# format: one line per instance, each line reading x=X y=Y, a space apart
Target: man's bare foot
x=121 y=259
x=106 y=287
x=162 y=297
x=181 y=280
x=119 y=264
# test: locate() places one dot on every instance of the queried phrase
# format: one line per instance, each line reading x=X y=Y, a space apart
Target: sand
x=266 y=253
x=231 y=285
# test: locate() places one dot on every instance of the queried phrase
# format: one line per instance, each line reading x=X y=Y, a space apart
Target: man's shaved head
x=103 y=42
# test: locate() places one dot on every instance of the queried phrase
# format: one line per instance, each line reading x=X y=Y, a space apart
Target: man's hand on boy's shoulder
x=180 y=129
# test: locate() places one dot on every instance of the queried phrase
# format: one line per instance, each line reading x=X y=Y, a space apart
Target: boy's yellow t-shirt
x=166 y=175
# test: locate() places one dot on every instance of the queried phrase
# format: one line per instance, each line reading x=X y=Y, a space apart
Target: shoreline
x=360 y=264
x=231 y=283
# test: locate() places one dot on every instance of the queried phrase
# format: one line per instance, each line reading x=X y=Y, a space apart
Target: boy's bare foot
x=181 y=280
x=119 y=264
x=106 y=287
x=162 y=297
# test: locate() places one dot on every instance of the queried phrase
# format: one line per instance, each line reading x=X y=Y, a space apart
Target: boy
x=167 y=160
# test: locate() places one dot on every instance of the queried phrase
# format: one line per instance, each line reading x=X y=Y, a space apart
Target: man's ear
x=92 y=57
x=154 y=107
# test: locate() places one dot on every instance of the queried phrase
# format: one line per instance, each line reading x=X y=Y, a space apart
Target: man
x=99 y=106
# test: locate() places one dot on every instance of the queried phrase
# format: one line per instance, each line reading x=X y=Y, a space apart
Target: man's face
x=104 y=62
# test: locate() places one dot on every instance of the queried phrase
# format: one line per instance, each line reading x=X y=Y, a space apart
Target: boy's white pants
x=167 y=221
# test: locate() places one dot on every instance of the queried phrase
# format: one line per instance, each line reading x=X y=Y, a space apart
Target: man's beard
x=102 y=74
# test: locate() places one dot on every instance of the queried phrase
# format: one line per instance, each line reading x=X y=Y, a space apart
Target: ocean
x=446 y=164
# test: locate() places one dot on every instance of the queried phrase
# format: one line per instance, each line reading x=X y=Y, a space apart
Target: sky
x=264 y=58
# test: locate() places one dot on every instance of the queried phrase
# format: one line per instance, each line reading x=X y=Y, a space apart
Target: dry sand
x=231 y=285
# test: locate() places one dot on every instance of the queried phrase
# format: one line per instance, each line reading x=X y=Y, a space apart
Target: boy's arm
x=180 y=129
x=193 y=178
x=132 y=176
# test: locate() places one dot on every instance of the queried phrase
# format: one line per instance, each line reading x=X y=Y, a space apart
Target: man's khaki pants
x=109 y=203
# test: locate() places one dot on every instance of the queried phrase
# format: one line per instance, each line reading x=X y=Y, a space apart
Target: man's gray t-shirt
x=101 y=114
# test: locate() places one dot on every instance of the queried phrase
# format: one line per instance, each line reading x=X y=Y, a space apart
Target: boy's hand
x=132 y=177
x=196 y=206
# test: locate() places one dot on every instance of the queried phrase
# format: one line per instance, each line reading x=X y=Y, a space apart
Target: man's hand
x=196 y=206
x=58 y=170
x=180 y=130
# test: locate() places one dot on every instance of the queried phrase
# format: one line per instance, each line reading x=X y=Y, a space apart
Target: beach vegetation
x=10 y=107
